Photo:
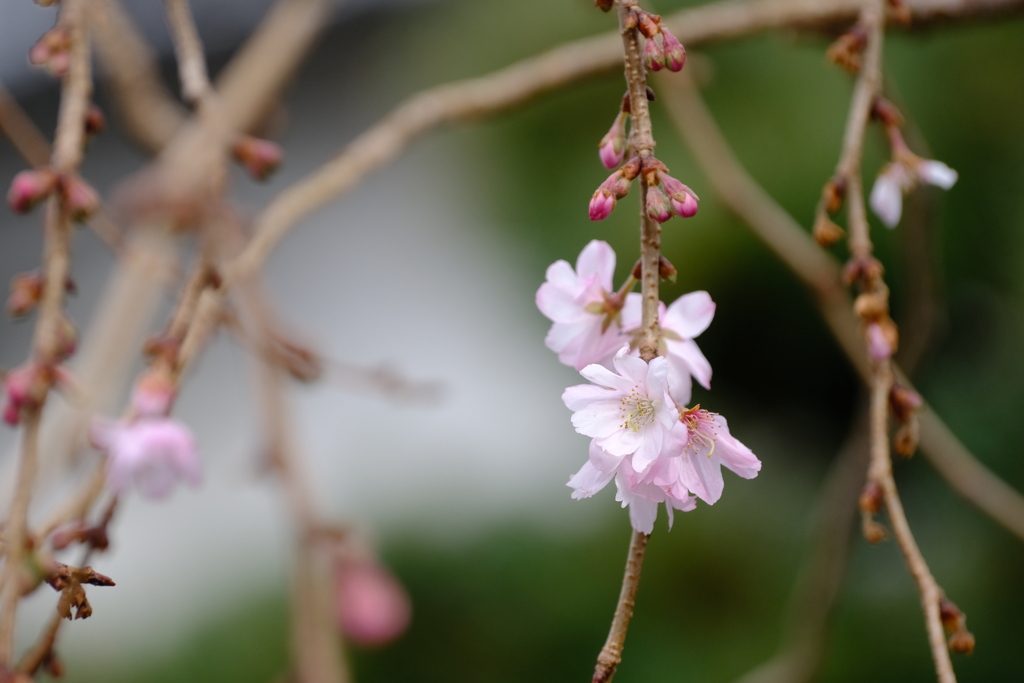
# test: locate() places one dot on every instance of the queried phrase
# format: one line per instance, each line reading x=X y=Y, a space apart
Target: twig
x=611 y=654
x=195 y=83
x=820 y=272
x=551 y=70
x=22 y=133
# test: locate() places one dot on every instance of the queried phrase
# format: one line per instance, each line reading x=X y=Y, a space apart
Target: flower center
x=637 y=410
x=701 y=426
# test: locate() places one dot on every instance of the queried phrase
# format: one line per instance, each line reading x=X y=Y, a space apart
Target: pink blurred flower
x=628 y=412
x=612 y=147
x=900 y=177
x=151 y=452
x=26 y=387
x=585 y=329
x=371 y=606
x=878 y=344
x=686 y=318
x=154 y=393
x=29 y=188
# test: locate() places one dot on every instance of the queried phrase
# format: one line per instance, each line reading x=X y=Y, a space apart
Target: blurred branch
x=195 y=83
x=529 y=78
x=781 y=233
x=806 y=626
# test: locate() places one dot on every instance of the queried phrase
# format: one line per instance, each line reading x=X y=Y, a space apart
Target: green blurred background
x=523 y=603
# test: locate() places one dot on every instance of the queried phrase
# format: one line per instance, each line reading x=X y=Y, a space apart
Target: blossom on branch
x=686 y=318
x=152 y=453
x=900 y=177
x=583 y=307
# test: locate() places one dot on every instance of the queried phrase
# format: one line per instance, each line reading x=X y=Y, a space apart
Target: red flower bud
x=29 y=188
x=259 y=157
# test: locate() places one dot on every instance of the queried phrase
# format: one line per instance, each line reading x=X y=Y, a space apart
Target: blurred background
x=510 y=579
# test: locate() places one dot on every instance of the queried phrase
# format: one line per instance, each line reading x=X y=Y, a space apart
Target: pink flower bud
x=79 y=197
x=683 y=199
x=154 y=392
x=26 y=388
x=601 y=204
x=613 y=145
x=654 y=56
x=658 y=207
x=371 y=606
x=52 y=51
x=67 y=338
x=26 y=290
x=675 y=53
x=95 y=121
x=29 y=188
x=259 y=157
x=878 y=343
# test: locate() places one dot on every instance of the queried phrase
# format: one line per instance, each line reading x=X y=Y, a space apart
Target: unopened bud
x=833 y=194
x=95 y=121
x=79 y=197
x=873 y=531
x=654 y=56
x=631 y=169
x=649 y=24
x=870 y=500
x=29 y=188
x=950 y=615
x=632 y=18
x=259 y=157
x=675 y=53
x=879 y=347
x=962 y=642
x=826 y=232
x=67 y=338
x=904 y=402
x=601 y=204
x=658 y=206
x=604 y=5
x=26 y=290
x=612 y=147
x=907 y=437
x=684 y=200
x=866 y=270
x=26 y=388
x=871 y=306
x=52 y=51
x=846 y=51
x=666 y=270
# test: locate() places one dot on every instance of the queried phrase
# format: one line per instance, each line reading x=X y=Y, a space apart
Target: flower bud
x=95 y=121
x=649 y=24
x=878 y=345
x=683 y=199
x=907 y=437
x=154 y=392
x=886 y=112
x=904 y=402
x=613 y=145
x=631 y=169
x=962 y=642
x=604 y=5
x=26 y=388
x=833 y=194
x=866 y=269
x=654 y=56
x=67 y=338
x=873 y=531
x=601 y=204
x=29 y=188
x=658 y=207
x=846 y=51
x=675 y=53
x=371 y=606
x=79 y=197
x=666 y=271
x=259 y=157
x=871 y=306
x=826 y=232
x=26 y=290
x=52 y=51
x=870 y=501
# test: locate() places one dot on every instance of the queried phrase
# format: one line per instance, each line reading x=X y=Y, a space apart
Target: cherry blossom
x=371 y=607
x=151 y=452
x=686 y=318
x=580 y=303
x=628 y=412
x=902 y=176
x=709 y=446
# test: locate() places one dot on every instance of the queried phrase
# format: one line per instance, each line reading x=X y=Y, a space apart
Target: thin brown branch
x=820 y=272
x=535 y=76
x=611 y=654
x=195 y=83
x=23 y=134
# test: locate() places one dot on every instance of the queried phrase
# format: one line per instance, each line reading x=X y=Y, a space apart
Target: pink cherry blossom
x=686 y=318
x=612 y=147
x=371 y=607
x=709 y=446
x=585 y=330
x=151 y=452
x=900 y=177
x=628 y=412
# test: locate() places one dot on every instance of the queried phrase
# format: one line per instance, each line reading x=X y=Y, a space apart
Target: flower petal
x=588 y=481
x=600 y=419
x=690 y=314
x=887 y=200
x=735 y=455
x=582 y=395
x=598 y=374
x=597 y=258
x=937 y=173
x=702 y=474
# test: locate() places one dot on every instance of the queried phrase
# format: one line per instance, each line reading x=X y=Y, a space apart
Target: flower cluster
x=666 y=196
x=642 y=434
